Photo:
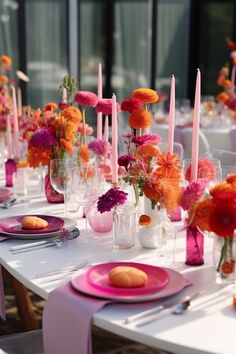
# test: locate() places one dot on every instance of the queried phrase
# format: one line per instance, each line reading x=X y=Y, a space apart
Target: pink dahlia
x=100 y=148
x=105 y=106
x=131 y=104
x=206 y=169
x=88 y=129
x=86 y=98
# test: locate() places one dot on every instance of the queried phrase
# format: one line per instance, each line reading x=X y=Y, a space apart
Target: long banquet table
x=208 y=326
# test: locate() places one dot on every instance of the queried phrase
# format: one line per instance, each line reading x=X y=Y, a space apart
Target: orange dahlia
x=145 y=95
x=152 y=190
x=170 y=194
x=169 y=166
x=38 y=155
x=140 y=119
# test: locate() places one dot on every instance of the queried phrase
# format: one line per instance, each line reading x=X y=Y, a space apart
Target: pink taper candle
x=9 y=138
x=114 y=142
x=196 y=122
x=171 y=116
x=99 y=115
x=15 y=125
x=233 y=79
x=64 y=94
x=106 y=129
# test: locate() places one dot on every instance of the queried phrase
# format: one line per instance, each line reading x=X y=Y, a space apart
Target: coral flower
x=145 y=220
x=86 y=98
x=223 y=191
x=201 y=214
x=50 y=106
x=84 y=153
x=104 y=106
x=72 y=114
x=66 y=145
x=37 y=156
x=6 y=61
x=152 y=190
x=140 y=119
x=147 y=151
x=206 y=169
x=88 y=129
x=223 y=97
x=3 y=79
x=130 y=104
x=170 y=194
x=222 y=219
x=100 y=148
x=145 y=95
x=169 y=166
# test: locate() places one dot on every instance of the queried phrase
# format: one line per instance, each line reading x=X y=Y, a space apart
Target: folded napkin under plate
x=68 y=312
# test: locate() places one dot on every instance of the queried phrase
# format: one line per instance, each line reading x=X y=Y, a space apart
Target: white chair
x=204 y=146
x=226 y=157
x=22 y=343
x=177 y=149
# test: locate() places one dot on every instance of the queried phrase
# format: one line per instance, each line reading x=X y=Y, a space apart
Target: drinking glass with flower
x=216 y=213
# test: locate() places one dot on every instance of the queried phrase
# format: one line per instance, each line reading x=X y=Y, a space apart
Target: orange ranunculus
x=223 y=97
x=169 y=166
x=70 y=131
x=72 y=114
x=84 y=153
x=227 y=267
x=66 y=145
x=223 y=191
x=145 y=95
x=147 y=151
x=222 y=219
x=6 y=60
x=152 y=190
x=140 y=119
x=50 y=106
x=201 y=215
x=145 y=220
x=38 y=155
x=3 y=79
x=227 y=83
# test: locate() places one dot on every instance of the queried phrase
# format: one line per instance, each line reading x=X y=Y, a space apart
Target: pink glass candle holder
x=99 y=222
x=10 y=168
x=194 y=246
x=50 y=193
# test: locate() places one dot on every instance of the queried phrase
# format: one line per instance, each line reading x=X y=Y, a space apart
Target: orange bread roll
x=127 y=277
x=33 y=223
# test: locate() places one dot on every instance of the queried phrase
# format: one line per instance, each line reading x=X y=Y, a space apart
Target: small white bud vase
x=155 y=234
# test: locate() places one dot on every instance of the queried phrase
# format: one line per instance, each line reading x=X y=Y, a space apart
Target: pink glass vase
x=99 y=222
x=176 y=214
x=10 y=168
x=50 y=193
x=194 y=246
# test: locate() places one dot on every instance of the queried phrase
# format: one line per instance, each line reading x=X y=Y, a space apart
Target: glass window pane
x=46 y=39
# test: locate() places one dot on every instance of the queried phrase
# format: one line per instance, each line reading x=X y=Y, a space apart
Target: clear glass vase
x=124 y=221
x=194 y=246
x=224 y=255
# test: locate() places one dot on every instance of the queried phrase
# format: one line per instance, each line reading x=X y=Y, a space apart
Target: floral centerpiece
x=216 y=213
x=226 y=80
x=5 y=101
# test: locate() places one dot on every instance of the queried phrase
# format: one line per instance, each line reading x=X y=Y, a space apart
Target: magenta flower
x=101 y=148
x=131 y=104
x=126 y=160
x=43 y=137
x=62 y=105
x=193 y=192
x=143 y=139
x=86 y=98
x=110 y=199
x=105 y=106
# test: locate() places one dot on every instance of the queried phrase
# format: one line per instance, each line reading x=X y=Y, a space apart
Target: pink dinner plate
x=157 y=278
x=4 y=194
x=12 y=225
x=175 y=284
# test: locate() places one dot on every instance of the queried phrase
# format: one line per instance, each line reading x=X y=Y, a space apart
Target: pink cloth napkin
x=2 y=302
x=67 y=319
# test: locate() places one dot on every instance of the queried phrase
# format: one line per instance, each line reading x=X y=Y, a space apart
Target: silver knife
x=175 y=306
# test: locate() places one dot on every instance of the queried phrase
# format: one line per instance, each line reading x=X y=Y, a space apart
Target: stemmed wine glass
x=61 y=177
x=87 y=181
